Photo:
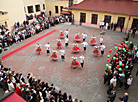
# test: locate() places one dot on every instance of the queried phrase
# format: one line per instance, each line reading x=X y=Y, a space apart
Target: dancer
x=61 y=35
x=59 y=45
x=93 y=41
x=82 y=60
x=102 y=49
x=62 y=54
x=74 y=63
x=101 y=40
x=66 y=41
x=54 y=55
x=96 y=52
x=66 y=32
x=77 y=37
x=48 y=48
x=76 y=48
x=38 y=50
x=84 y=36
x=84 y=45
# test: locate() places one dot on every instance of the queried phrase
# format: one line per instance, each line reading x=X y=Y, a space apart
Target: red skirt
x=60 y=45
x=76 y=50
x=74 y=66
x=54 y=58
x=61 y=36
x=93 y=43
x=96 y=53
x=18 y=91
x=38 y=50
x=76 y=39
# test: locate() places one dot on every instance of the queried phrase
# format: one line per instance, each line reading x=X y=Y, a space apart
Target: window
x=43 y=6
x=56 y=9
x=82 y=17
x=94 y=18
x=30 y=9
x=107 y=19
x=120 y=21
x=61 y=7
x=135 y=23
x=37 y=8
x=70 y=3
x=24 y=10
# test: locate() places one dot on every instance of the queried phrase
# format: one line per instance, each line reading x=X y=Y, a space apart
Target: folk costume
x=59 y=45
x=74 y=63
x=48 y=48
x=82 y=60
x=96 y=52
x=66 y=41
x=76 y=48
x=54 y=55
x=61 y=35
x=93 y=41
x=38 y=50
x=84 y=45
x=84 y=36
x=77 y=37
x=62 y=54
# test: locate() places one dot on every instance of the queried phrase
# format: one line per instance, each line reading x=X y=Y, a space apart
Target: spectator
x=125 y=97
x=134 y=31
x=112 y=97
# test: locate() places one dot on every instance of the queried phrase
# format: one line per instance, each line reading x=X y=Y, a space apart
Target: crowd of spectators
x=26 y=29
x=118 y=72
x=32 y=90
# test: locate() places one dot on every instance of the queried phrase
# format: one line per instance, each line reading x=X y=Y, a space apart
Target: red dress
x=77 y=49
x=74 y=66
x=61 y=36
x=96 y=52
x=60 y=45
x=93 y=42
x=76 y=39
x=55 y=57
x=38 y=50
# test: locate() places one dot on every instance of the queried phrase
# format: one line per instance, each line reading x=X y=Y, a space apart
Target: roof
x=111 y=6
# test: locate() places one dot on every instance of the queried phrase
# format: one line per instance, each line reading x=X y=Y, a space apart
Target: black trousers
x=66 y=44
x=83 y=39
x=84 y=48
x=82 y=64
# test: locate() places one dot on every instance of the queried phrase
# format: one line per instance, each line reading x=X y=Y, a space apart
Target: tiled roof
x=112 y=6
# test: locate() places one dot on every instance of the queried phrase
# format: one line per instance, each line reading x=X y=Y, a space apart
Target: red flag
x=129 y=16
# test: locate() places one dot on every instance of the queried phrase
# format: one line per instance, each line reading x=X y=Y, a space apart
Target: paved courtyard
x=85 y=84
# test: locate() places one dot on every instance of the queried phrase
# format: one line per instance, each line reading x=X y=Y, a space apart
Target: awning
x=65 y=12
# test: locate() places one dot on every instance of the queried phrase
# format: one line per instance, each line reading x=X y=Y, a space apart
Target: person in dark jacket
x=134 y=31
x=112 y=97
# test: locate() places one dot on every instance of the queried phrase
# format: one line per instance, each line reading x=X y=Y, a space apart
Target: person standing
x=101 y=40
x=50 y=13
x=48 y=48
x=125 y=98
x=62 y=54
x=113 y=81
x=105 y=76
x=107 y=25
x=84 y=45
x=102 y=49
x=82 y=60
x=112 y=25
x=84 y=36
x=115 y=25
x=66 y=41
x=112 y=97
x=133 y=33
x=66 y=32
x=121 y=27
x=129 y=81
x=102 y=24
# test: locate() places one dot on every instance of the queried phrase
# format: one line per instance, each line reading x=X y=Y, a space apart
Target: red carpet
x=9 y=54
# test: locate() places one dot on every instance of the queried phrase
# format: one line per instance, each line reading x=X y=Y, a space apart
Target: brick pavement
x=85 y=84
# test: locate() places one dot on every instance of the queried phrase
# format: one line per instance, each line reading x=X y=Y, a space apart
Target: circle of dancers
x=75 y=49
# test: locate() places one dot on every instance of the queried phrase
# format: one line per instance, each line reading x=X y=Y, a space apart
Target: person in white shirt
x=48 y=48
x=84 y=45
x=129 y=81
x=102 y=49
x=107 y=25
x=10 y=86
x=66 y=32
x=82 y=60
x=102 y=24
x=38 y=48
x=66 y=41
x=84 y=36
x=62 y=54
x=101 y=40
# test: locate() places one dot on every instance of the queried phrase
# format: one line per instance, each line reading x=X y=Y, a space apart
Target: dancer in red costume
x=93 y=41
x=74 y=63
x=59 y=45
x=76 y=48
x=77 y=37
x=54 y=55
x=38 y=50
x=61 y=35
x=96 y=52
